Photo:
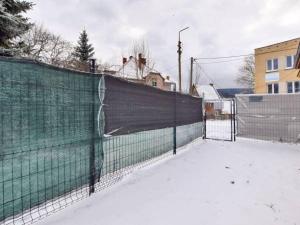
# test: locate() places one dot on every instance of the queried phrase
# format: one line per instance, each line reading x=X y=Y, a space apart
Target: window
x=290 y=88
x=154 y=83
x=293 y=87
x=297 y=86
x=269 y=65
x=270 y=88
x=272 y=64
x=276 y=88
x=290 y=61
x=275 y=64
x=273 y=88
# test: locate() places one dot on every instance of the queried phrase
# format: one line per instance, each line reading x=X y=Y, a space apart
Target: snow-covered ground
x=209 y=183
x=218 y=129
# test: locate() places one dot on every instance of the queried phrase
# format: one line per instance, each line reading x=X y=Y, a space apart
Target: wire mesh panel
x=269 y=117
x=65 y=134
x=140 y=121
x=187 y=133
x=46 y=135
x=220 y=119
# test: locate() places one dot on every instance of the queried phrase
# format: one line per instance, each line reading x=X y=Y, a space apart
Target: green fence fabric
x=46 y=123
x=126 y=150
x=52 y=140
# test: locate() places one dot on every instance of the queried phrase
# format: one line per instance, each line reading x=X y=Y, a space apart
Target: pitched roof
x=210 y=93
x=130 y=71
x=155 y=73
x=280 y=43
x=231 y=92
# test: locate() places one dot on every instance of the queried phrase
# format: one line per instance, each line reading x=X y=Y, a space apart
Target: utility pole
x=191 y=76
x=179 y=51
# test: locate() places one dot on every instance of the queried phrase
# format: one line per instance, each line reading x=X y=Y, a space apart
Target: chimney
x=211 y=84
x=168 y=77
x=140 y=61
x=140 y=56
x=124 y=60
x=143 y=61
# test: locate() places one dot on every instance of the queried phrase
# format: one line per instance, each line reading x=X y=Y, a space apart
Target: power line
x=223 y=57
x=206 y=75
x=244 y=55
x=171 y=68
x=224 y=61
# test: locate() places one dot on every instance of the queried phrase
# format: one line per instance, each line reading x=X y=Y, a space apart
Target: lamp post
x=179 y=51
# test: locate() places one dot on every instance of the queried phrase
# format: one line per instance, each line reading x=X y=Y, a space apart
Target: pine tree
x=84 y=51
x=12 y=22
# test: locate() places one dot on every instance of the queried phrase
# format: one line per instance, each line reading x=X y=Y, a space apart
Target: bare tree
x=40 y=44
x=141 y=47
x=196 y=76
x=103 y=66
x=247 y=72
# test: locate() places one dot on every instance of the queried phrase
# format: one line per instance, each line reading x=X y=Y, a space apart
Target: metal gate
x=219 y=119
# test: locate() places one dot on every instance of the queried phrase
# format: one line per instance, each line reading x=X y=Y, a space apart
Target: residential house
x=212 y=100
x=137 y=71
x=274 y=68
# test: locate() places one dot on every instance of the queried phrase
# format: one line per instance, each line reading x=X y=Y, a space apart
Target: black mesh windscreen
x=188 y=109
x=130 y=107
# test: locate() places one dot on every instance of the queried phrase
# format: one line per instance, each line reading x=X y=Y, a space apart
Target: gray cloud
x=217 y=28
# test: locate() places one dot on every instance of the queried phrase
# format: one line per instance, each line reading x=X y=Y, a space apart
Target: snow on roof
x=130 y=71
x=166 y=78
x=210 y=93
x=170 y=81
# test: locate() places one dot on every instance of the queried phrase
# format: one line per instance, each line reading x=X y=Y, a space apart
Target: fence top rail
x=279 y=94
x=148 y=86
x=219 y=100
x=37 y=62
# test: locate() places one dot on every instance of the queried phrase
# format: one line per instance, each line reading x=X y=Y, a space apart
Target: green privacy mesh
x=125 y=150
x=46 y=136
x=52 y=140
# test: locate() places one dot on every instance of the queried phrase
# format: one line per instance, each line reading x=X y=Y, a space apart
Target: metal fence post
x=231 y=119
x=234 y=120
x=175 y=122
x=92 y=142
x=204 y=125
x=203 y=117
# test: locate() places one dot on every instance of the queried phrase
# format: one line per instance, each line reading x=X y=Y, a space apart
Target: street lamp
x=179 y=51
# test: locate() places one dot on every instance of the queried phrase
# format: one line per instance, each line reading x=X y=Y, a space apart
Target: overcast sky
x=217 y=28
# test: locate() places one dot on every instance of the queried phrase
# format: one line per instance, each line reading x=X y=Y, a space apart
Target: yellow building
x=274 y=68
